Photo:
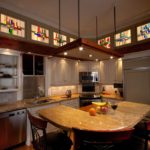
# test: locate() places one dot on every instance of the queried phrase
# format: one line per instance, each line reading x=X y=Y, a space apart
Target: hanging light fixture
x=80 y=47
x=96 y=29
x=80 y=42
x=115 y=16
x=59 y=31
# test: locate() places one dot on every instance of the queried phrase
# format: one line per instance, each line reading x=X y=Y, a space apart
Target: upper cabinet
x=89 y=66
x=111 y=71
x=8 y=72
x=33 y=65
x=63 y=71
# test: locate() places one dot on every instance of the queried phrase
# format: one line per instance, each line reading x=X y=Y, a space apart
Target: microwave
x=88 y=77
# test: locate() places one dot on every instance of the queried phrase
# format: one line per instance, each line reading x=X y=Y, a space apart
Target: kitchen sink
x=40 y=101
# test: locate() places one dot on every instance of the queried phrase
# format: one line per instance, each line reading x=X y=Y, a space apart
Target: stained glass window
x=143 y=32
x=59 y=40
x=123 y=38
x=39 y=34
x=105 y=42
x=72 y=39
x=12 y=25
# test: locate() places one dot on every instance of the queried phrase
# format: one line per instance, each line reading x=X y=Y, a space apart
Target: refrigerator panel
x=137 y=85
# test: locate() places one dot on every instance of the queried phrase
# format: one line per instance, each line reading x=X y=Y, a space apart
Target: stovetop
x=89 y=95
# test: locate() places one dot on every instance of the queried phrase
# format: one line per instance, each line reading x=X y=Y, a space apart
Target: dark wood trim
x=134 y=48
x=87 y=43
x=68 y=46
x=97 y=47
x=25 y=46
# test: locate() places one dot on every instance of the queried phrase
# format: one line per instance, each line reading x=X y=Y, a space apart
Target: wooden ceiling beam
x=87 y=43
x=25 y=46
x=134 y=48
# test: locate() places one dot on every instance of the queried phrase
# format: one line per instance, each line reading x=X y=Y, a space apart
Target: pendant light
x=80 y=47
x=59 y=30
x=96 y=29
x=115 y=16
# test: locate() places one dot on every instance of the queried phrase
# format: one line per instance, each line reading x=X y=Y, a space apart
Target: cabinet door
x=83 y=66
x=63 y=72
x=108 y=71
x=39 y=65
x=119 y=71
x=27 y=64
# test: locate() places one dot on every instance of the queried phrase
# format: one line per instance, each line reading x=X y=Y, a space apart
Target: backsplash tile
x=60 y=90
x=8 y=97
x=110 y=89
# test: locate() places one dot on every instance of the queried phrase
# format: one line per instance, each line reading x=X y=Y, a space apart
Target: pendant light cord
x=78 y=18
x=115 y=17
x=96 y=29
x=59 y=21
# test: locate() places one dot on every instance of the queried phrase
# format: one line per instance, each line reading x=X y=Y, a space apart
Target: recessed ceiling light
x=96 y=59
x=65 y=53
x=90 y=55
x=111 y=57
x=80 y=48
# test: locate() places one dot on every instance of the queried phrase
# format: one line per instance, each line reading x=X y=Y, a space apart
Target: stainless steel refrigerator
x=137 y=80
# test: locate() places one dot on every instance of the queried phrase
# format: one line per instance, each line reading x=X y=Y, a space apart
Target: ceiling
x=128 y=12
x=86 y=54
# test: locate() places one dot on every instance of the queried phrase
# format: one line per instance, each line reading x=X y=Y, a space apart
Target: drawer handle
x=10 y=115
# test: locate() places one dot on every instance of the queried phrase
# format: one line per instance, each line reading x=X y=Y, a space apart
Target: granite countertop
x=28 y=103
x=128 y=114
x=112 y=96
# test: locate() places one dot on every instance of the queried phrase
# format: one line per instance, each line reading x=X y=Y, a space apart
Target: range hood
x=89 y=48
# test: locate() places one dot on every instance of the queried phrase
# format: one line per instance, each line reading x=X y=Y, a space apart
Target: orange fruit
x=92 y=111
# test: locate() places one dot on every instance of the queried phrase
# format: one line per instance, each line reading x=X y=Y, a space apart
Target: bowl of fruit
x=101 y=107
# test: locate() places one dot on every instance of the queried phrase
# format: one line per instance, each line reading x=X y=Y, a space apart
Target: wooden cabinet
x=119 y=71
x=88 y=66
x=63 y=72
x=111 y=71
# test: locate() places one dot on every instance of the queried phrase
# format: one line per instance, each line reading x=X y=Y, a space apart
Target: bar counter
x=127 y=115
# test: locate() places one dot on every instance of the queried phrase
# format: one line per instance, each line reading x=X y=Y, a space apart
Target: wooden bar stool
x=142 y=130
x=47 y=141
x=101 y=140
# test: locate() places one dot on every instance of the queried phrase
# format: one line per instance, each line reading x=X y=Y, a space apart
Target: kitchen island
x=127 y=115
